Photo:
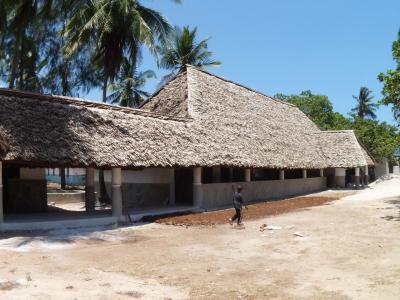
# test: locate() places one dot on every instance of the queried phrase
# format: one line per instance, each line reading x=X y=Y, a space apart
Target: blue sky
x=331 y=47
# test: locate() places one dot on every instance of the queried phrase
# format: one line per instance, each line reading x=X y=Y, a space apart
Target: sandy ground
x=349 y=249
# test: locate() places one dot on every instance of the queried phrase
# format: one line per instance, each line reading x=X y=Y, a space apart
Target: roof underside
x=211 y=122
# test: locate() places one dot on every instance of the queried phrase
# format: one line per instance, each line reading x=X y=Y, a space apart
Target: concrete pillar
x=340 y=177
x=357 y=177
x=216 y=173
x=172 y=187
x=366 y=179
x=281 y=174
x=90 y=199
x=197 y=188
x=304 y=173
x=396 y=170
x=387 y=167
x=247 y=175
x=1 y=193
x=321 y=172
x=116 y=192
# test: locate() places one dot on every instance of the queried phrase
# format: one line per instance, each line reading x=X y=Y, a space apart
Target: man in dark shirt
x=237 y=204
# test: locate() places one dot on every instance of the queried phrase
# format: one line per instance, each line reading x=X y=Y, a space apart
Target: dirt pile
x=254 y=211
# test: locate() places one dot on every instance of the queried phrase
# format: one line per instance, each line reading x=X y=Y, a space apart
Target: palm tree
x=128 y=90
x=183 y=49
x=114 y=29
x=365 y=107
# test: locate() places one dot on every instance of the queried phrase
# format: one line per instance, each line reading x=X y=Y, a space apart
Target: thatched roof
x=197 y=119
x=341 y=149
x=3 y=142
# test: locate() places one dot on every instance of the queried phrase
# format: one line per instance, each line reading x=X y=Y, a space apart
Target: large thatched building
x=186 y=145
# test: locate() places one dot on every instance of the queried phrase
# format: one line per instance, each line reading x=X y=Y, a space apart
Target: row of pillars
x=116 y=194
x=198 y=192
x=340 y=176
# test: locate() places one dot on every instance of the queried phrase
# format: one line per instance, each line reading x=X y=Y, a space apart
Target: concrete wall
x=68 y=172
x=382 y=168
x=220 y=194
x=152 y=186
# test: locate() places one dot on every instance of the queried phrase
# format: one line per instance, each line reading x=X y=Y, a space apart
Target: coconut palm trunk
x=104 y=197
x=15 y=60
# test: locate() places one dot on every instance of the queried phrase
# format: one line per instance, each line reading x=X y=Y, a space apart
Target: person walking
x=238 y=203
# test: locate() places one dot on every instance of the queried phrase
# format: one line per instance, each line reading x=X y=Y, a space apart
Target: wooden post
x=116 y=194
x=321 y=172
x=90 y=198
x=304 y=173
x=281 y=174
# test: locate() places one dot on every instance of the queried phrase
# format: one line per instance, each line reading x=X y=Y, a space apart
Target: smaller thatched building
x=186 y=145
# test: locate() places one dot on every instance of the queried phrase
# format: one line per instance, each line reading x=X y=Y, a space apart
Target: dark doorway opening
x=184 y=186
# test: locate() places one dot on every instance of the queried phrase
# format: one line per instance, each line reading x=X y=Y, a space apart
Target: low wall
x=137 y=194
x=220 y=194
x=67 y=197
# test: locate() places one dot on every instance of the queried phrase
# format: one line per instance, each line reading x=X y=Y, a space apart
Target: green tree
x=183 y=49
x=365 y=107
x=391 y=82
x=317 y=107
x=114 y=29
x=381 y=139
x=128 y=91
x=22 y=36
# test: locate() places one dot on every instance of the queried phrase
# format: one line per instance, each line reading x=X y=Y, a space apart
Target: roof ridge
x=337 y=131
x=240 y=85
x=86 y=103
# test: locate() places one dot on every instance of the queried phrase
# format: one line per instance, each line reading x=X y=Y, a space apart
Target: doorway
x=184 y=186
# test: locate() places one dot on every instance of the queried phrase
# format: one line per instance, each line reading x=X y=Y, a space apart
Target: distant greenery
x=391 y=82
x=319 y=108
x=380 y=138
x=365 y=108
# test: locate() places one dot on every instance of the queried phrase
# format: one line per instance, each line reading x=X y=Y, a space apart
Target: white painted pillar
x=321 y=172
x=366 y=175
x=340 y=177
x=90 y=199
x=197 y=188
x=357 y=177
x=172 y=187
x=247 y=175
x=304 y=173
x=1 y=193
x=281 y=174
x=116 y=192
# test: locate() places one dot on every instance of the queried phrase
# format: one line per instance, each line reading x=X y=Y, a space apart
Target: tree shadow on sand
x=396 y=212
